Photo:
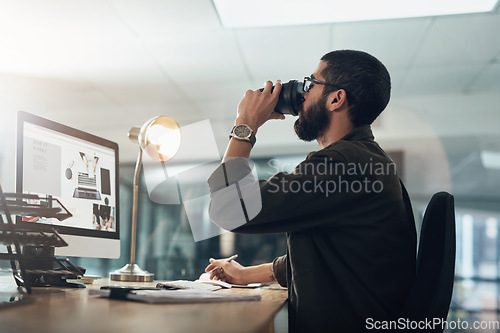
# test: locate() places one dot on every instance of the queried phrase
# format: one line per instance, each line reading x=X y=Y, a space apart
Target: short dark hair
x=364 y=78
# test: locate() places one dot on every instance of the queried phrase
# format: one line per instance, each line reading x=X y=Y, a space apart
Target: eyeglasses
x=308 y=84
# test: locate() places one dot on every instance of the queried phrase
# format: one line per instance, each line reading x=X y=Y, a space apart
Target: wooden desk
x=73 y=310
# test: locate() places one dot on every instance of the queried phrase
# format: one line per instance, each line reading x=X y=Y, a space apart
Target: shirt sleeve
x=323 y=189
x=241 y=203
x=279 y=269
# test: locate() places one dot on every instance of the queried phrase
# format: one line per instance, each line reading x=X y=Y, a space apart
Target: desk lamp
x=160 y=137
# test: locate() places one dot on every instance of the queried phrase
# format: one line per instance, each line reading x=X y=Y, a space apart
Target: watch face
x=242 y=131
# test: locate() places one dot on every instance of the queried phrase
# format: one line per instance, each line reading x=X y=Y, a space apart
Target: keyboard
x=85 y=193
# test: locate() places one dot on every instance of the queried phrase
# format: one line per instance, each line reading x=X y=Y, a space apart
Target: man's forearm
x=259 y=274
x=237 y=148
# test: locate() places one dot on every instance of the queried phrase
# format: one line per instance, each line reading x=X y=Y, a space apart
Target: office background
x=106 y=66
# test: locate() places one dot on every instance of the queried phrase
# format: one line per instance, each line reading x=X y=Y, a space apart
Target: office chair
x=430 y=296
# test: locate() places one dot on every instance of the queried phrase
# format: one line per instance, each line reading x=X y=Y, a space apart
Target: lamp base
x=131 y=273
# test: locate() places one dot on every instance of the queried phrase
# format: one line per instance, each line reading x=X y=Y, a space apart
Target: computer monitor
x=81 y=171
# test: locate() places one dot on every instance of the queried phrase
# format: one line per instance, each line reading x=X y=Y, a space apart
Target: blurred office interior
x=106 y=66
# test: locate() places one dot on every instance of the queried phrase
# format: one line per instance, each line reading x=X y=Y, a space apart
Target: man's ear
x=337 y=100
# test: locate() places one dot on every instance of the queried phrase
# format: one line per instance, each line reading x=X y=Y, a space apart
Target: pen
x=231 y=258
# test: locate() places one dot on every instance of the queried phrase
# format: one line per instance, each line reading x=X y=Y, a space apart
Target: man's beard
x=313 y=122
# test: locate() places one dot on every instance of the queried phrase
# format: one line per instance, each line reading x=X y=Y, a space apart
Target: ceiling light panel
x=259 y=13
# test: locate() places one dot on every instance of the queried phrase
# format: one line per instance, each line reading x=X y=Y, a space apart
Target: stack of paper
x=178 y=296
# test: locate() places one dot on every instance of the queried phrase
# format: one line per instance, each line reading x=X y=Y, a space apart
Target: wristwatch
x=244 y=133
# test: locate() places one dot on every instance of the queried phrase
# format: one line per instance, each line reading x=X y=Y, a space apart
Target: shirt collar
x=360 y=133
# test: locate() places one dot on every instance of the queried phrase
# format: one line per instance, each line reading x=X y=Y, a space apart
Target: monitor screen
x=81 y=171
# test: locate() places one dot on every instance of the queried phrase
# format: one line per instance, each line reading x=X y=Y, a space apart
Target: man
x=351 y=242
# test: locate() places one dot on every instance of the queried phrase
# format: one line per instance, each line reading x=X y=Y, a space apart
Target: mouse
x=69 y=173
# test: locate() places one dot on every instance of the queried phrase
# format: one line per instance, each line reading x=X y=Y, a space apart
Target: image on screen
x=78 y=169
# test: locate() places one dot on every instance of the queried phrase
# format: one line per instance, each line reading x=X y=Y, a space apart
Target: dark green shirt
x=351 y=244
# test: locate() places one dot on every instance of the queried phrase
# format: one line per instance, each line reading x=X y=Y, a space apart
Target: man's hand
x=257 y=106
x=233 y=272
x=254 y=110
x=230 y=272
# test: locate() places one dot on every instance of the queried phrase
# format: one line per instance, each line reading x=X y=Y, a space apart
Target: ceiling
x=105 y=66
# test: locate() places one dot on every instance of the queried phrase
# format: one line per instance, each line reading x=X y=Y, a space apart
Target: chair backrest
x=431 y=293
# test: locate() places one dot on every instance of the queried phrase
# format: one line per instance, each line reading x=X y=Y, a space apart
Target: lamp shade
x=159 y=137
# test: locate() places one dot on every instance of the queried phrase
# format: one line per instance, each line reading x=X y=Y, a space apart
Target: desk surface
x=73 y=310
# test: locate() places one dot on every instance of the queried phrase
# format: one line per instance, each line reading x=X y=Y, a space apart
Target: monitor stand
x=39 y=262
